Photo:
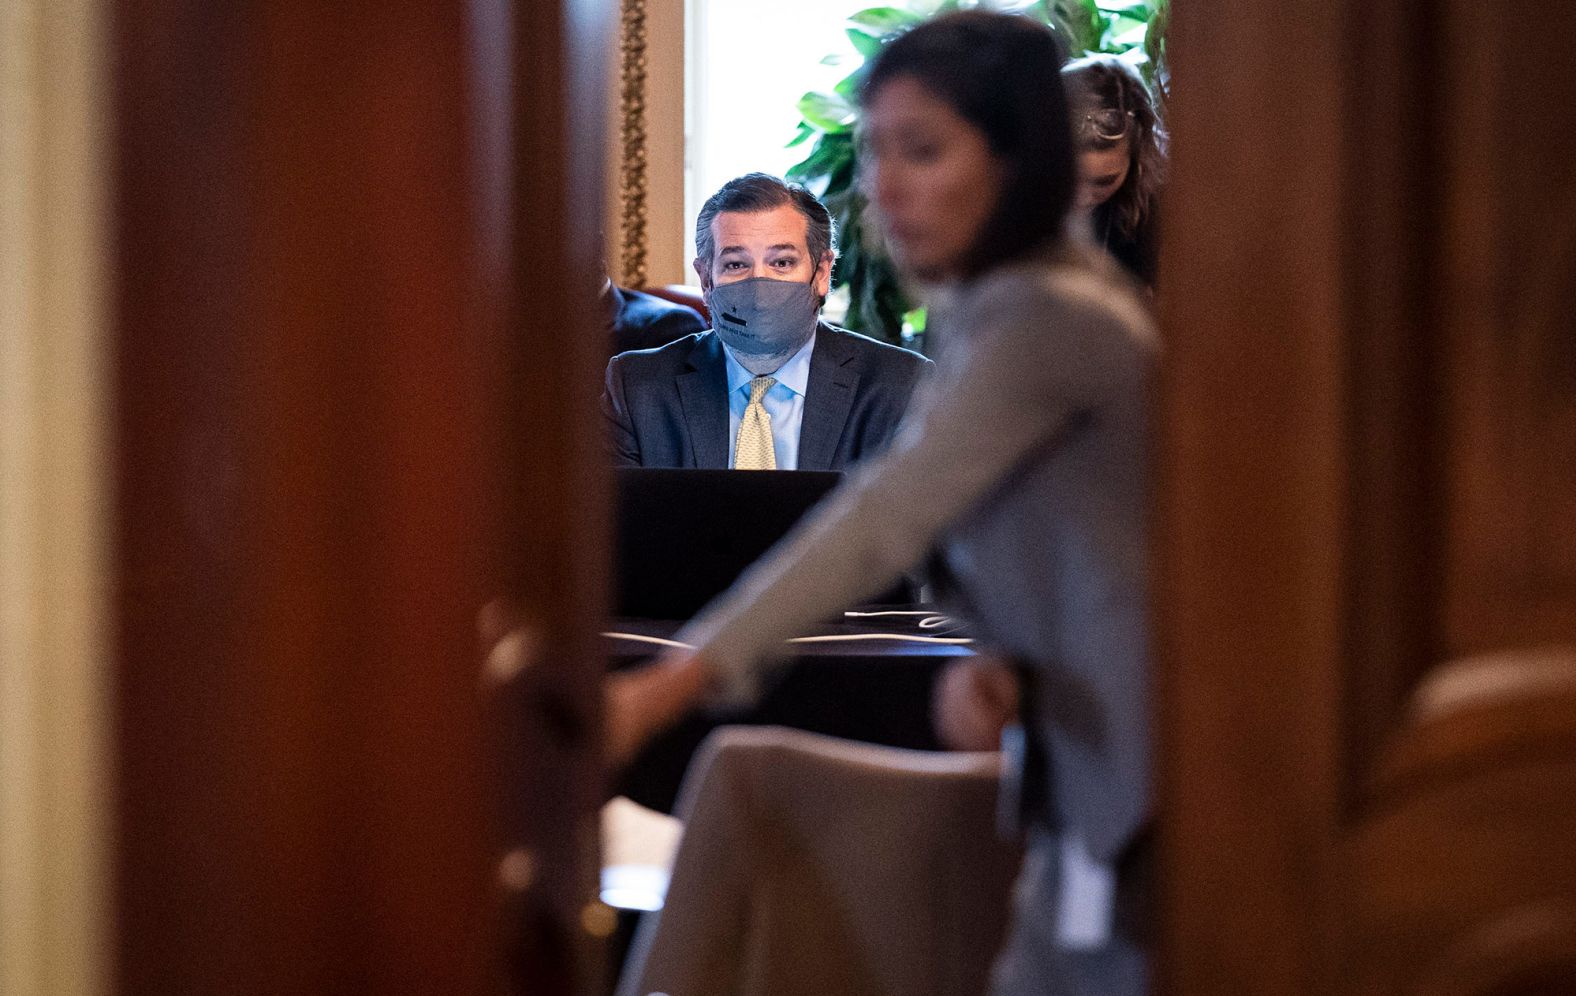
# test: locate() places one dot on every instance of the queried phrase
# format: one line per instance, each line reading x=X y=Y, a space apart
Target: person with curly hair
x=1121 y=159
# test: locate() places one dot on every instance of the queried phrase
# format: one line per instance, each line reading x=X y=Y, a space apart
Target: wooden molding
x=55 y=560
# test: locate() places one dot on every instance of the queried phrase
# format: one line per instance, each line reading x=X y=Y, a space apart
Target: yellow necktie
x=754 y=449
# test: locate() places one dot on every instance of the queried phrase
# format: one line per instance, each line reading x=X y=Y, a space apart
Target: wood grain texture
x=1252 y=464
x=558 y=499
x=1366 y=460
x=308 y=505
x=1505 y=282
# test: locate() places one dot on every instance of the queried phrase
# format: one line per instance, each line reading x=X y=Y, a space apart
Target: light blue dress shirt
x=784 y=403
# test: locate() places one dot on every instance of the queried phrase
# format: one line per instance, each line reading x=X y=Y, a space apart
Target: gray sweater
x=1025 y=462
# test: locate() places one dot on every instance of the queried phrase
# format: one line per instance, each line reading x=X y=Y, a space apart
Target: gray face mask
x=762 y=317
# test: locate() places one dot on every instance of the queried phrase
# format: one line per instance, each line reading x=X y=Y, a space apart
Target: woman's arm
x=1036 y=350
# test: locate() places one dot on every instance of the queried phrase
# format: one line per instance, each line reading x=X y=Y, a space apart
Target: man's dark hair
x=1001 y=74
x=755 y=192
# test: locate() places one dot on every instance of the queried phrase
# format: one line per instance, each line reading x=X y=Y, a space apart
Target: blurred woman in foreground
x=1023 y=464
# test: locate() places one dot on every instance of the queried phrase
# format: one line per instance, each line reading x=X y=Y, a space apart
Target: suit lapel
x=828 y=398
x=703 y=394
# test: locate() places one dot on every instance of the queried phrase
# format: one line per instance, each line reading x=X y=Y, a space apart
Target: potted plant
x=877 y=304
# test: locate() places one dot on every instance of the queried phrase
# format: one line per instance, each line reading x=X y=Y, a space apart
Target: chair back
x=1467 y=864
x=811 y=864
x=685 y=294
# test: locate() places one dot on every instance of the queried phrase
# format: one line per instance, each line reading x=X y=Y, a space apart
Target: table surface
x=877 y=691
x=854 y=637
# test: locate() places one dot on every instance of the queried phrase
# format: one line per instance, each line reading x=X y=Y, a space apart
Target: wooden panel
x=1250 y=525
x=1392 y=538
x=1506 y=283
x=560 y=513
x=308 y=508
x=1368 y=422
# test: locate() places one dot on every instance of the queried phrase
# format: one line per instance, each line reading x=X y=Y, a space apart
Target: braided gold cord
x=632 y=180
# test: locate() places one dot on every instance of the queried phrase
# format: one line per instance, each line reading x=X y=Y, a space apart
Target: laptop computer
x=683 y=536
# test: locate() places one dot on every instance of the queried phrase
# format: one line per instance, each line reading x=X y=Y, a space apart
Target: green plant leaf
x=826 y=112
x=878 y=305
x=865 y=44
x=848 y=86
x=840 y=175
x=1133 y=37
x=1077 y=21
x=826 y=156
x=1156 y=71
x=1122 y=22
x=884 y=20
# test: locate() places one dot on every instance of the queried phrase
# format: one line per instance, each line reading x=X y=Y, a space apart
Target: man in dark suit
x=770 y=386
x=643 y=321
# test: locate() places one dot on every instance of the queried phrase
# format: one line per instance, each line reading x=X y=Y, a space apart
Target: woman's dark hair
x=1000 y=73
x=1106 y=82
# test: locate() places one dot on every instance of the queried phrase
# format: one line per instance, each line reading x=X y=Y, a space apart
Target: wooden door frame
x=1365 y=438
x=355 y=352
x=1297 y=547
x=55 y=569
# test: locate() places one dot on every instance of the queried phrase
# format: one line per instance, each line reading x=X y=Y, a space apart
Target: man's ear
x=703 y=272
x=823 y=273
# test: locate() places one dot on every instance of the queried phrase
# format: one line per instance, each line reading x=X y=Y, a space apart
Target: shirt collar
x=794 y=374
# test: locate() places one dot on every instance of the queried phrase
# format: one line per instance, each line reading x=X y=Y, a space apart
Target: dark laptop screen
x=682 y=536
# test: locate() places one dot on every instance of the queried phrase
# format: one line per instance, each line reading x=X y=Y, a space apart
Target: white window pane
x=752 y=61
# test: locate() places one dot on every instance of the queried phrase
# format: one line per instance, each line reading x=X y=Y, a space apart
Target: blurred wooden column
x=559 y=499
x=335 y=442
x=1366 y=449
